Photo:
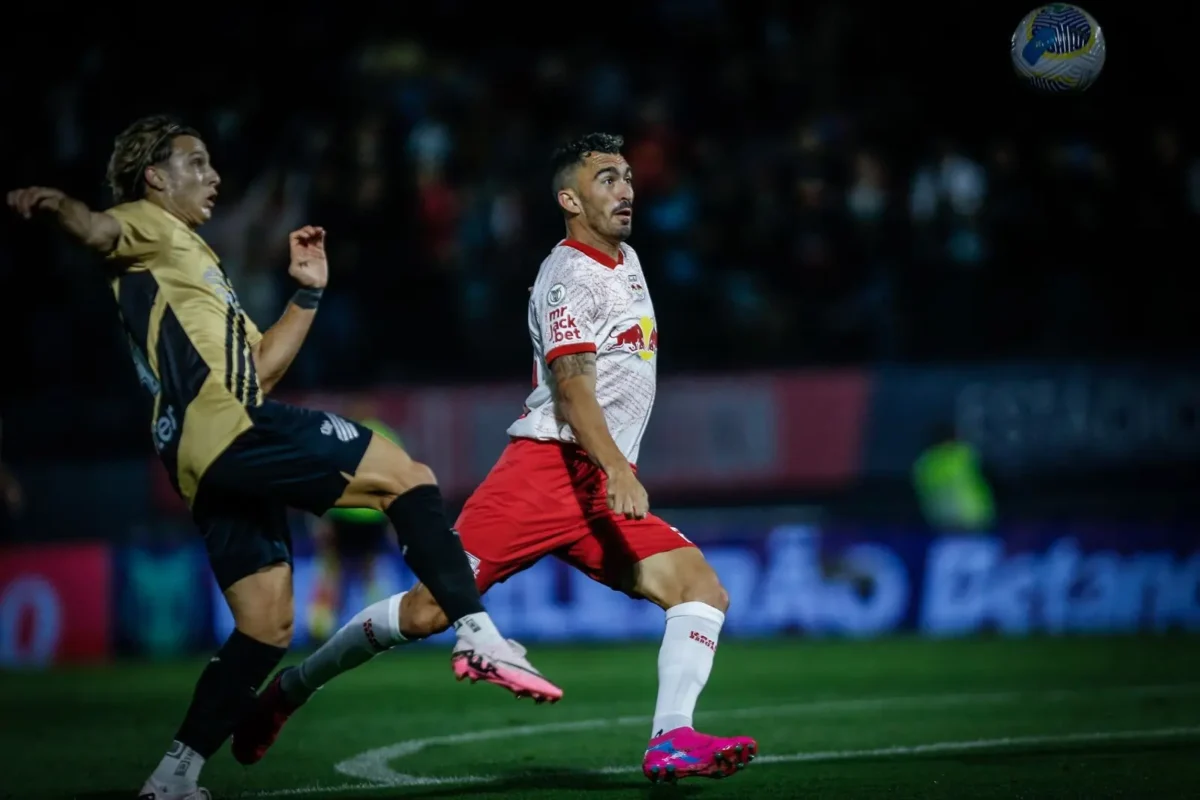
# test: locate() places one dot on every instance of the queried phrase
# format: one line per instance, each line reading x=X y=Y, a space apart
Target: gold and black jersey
x=191 y=341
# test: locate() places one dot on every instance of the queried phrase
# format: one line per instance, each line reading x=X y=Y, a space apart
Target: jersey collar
x=596 y=255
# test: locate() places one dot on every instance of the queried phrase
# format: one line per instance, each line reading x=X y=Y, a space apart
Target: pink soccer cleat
x=684 y=753
x=504 y=664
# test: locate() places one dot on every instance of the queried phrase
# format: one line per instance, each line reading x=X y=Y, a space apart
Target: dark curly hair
x=145 y=142
x=574 y=152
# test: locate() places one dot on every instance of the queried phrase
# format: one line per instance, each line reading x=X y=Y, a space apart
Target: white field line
x=372 y=770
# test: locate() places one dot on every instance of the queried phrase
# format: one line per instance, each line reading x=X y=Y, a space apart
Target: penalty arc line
x=372 y=770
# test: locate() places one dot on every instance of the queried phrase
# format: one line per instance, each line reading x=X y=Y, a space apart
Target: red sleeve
x=570 y=350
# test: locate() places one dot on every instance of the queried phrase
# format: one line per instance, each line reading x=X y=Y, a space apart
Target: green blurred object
x=366 y=516
x=952 y=489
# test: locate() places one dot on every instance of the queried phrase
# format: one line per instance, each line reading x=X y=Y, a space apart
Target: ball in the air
x=1058 y=48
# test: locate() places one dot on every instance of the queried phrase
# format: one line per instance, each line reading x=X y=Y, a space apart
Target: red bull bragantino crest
x=641 y=338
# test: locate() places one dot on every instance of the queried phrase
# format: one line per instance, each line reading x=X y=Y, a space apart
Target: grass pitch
x=1086 y=718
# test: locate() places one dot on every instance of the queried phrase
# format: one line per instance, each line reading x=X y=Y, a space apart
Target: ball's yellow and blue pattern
x=1058 y=48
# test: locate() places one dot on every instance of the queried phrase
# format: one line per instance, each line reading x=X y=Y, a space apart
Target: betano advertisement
x=59 y=605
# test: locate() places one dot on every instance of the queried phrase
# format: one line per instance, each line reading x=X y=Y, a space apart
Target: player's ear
x=568 y=201
x=155 y=179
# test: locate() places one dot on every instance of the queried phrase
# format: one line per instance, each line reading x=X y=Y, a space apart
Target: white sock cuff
x=694 y=608
x=394 y=616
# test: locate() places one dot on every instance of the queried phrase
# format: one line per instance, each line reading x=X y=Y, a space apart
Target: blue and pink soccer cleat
x=684 y=753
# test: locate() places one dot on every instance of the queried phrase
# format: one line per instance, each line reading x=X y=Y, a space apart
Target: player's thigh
x=249 y=546
x=645 y=558
x=384 y=472
x=524 y=510
x=499 y=546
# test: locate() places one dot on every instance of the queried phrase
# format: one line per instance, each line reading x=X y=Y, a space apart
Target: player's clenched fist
x=34 y=198
x=627 y=496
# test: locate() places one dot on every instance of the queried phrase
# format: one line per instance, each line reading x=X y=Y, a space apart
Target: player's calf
x=370 y=632
x=420 y=615
x=387 y=479
x=226 y=690
x=683 y=583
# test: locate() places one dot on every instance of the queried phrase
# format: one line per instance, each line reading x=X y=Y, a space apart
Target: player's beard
x=620 y=229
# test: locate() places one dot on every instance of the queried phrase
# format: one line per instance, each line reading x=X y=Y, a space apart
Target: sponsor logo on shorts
x=474 y=560
x=336 y=426
x=697 y=636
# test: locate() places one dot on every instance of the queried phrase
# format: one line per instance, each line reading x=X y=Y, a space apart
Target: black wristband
x=307 y=298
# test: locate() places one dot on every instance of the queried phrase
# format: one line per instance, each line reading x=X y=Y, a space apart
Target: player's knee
x=282 y=631
x=418 y=474
x=273 y=629
x=701 y=585
x=680 y=576
x=405 y=477
x=420 y=615
x=261 y=604
x=716 y=597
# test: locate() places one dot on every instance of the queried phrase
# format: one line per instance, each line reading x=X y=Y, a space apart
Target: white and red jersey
x=585 y=302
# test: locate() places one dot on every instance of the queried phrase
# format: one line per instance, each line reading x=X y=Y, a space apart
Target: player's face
x=191 y=182
x=606 y=192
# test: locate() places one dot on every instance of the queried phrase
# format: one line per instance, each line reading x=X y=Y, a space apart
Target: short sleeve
x=142 y=234
x=253 y=334
x=570 y=317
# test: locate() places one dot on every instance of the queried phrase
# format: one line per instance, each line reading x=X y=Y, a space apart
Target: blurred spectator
x=824 y=207
x=11 y=496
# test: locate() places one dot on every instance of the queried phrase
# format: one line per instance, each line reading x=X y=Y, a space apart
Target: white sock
x=177 y=773
x=478 y=629
x=372 y=631
x=684 y=663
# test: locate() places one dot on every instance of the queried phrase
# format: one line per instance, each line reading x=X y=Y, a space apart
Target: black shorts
x=292 y=457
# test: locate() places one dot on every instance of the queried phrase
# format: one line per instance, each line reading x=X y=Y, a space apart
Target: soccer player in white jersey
x=567 y=483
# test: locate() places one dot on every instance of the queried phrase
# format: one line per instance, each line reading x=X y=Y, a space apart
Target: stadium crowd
x=795 y=207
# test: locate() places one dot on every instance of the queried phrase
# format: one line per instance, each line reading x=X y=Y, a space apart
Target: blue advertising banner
x=848 y=583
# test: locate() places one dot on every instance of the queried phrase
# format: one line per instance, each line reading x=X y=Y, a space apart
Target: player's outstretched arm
x=279 y=345
x=576 y=403
x=95 y=229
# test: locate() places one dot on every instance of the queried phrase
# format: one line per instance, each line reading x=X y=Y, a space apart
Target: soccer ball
x=1058 y=48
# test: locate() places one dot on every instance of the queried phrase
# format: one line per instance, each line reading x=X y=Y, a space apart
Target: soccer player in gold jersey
x=240 y=459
